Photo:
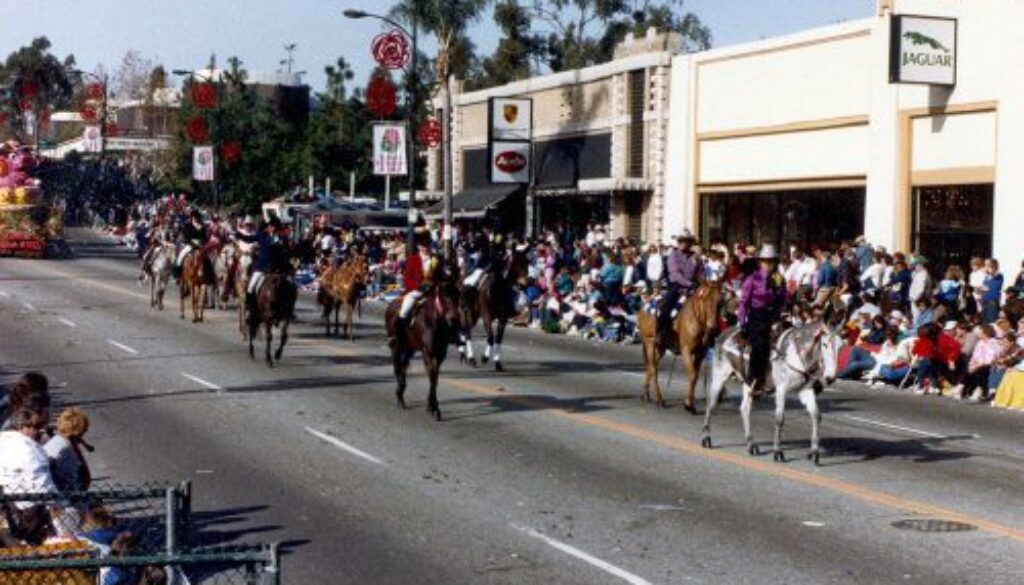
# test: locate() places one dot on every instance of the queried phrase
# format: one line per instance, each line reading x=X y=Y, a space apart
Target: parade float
x=30 y=225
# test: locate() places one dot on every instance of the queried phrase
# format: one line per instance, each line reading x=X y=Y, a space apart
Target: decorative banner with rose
x=391 y=50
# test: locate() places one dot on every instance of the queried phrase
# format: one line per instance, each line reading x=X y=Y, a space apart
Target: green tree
x=32 y=76
x=585 y=32
x=517 y=49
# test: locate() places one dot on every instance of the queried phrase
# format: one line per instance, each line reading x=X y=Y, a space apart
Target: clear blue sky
x=183 y=33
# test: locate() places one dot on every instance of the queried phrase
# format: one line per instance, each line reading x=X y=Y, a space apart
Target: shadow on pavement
x=533 y=403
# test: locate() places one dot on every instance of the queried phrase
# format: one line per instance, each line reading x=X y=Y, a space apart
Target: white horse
x=804 y=360
x=159 y=273
x=223 y=264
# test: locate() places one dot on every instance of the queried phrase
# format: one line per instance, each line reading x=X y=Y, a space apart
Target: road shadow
x=864 y=449
x=513 y=403
x=311 y=383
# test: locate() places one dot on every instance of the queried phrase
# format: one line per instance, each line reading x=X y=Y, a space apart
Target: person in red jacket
x=936 y=354
x=418 y=272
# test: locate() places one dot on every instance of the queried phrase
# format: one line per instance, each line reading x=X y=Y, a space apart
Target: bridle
x=808 y=373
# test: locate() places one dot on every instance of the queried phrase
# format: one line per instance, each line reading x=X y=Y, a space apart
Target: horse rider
x=684 y=272
x=480 y=256
x=762 y=300
x=420 y=268
x=266 y=239
x=194 y=236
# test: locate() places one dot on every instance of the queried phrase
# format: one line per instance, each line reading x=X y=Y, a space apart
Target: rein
x=802 y=370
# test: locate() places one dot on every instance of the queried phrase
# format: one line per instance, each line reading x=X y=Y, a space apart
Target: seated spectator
x=986 y=350
x=937 y=354
x=68 y=466
x=991 y=291
x=898 y=367
x=25 y=469
x=1017 y=290
x=861 y=357
x=30 y=391
x=1010 y=354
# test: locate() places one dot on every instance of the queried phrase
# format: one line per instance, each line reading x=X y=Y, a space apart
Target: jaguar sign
x=923 y=50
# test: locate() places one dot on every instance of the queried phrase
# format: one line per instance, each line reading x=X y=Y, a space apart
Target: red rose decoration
x=204 y=95
x=380 y=97
x=391 y=50
x=197 y=129
x=88 y=113
x=230 y=151
x=430 y=133
x=26 y=104
x=95 y=91
x=28 y=89
x=5 y=167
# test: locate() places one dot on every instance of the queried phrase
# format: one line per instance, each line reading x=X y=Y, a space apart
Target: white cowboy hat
x=768 y=252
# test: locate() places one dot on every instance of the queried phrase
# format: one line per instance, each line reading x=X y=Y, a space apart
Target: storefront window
x=953 y=223
x=804 y=219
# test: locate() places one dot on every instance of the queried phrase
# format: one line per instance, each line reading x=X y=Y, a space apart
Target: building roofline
x=844 y=29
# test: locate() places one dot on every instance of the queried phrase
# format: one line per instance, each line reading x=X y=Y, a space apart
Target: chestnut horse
x=196 y=275
x=432 y=327
x=696 y=328
x=341 y=288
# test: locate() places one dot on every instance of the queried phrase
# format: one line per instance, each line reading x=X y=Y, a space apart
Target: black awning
x=475 y=202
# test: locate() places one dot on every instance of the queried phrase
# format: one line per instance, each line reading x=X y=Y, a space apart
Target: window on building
x=804 y=219
x=637 y=106
x=953 y=223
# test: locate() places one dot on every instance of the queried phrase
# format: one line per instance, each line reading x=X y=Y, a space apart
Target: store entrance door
x=953 y=223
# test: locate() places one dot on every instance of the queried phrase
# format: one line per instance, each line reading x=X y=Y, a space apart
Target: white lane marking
x=634 y=374
x=70 y=324
x=202 y=382
x=813 y=524
x=661 y=507
x=123 y=347
x=897 y=427
x=28 y=306
x=4 y=294
x=345 y=446
x=585 y=557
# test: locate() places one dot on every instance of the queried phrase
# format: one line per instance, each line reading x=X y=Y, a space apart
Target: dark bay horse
x=196 y=276
x=274 y=305
x=432 y=327
x=696 y=327
x=493 y=302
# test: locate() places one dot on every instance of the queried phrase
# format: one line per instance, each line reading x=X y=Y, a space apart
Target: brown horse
x=432 y=326
x=274 y=305
x=196 y=275
x=492 y=301
x=696 y=327
x=341 y=288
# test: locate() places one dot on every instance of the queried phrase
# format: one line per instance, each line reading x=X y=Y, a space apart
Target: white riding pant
x=474 y=278
x=255 y=281
x=408 y=302
x=184 y=252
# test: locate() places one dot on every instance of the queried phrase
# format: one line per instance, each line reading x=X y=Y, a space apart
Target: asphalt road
x=552 y=472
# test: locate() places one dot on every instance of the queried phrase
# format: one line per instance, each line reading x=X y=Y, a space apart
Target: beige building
x=599 y=136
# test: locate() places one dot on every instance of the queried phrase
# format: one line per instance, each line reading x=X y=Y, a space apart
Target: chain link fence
x=156 y=516
x=75 y=564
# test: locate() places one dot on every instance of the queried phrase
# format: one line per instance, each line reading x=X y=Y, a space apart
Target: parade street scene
x=549 y=292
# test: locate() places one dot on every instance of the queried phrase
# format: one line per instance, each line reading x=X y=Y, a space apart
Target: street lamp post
x=192 y=75
x=410 y=107
x=104 y=81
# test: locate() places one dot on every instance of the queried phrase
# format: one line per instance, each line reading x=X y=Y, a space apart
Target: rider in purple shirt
x=684 y=270
x=763 y=297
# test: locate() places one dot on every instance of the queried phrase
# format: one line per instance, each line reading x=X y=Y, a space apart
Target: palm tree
x=337 y=76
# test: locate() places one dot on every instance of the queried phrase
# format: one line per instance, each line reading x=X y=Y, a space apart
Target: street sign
x=923 y=50
x=92 y=139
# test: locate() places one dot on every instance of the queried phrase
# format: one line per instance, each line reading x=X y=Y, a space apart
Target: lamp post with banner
x=96 y=91
x=394 y=58
x=206 y=97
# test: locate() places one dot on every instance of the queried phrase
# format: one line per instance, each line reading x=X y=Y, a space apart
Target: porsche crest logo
x=511 y=113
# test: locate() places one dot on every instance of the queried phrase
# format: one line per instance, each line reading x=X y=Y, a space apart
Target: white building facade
x=804 y=140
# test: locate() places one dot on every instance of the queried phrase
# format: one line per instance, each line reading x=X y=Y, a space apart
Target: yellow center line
x=840 y=486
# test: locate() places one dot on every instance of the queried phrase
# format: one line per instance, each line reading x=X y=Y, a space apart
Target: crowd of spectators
x=43 y=456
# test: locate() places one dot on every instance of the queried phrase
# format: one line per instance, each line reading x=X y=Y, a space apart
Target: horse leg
x=268 y=329
x=432 y=366
x=202 y=302
x=647 y=347
x=499 y=337
x=284 y=340
x=326 y=316
x=810 y=400
x=719 y=378
x=337 y=322
x=489 y=331
x=691 y=360
x=780 y=420
x=397 y=361
x=745 y=407
x=253 y=328
x=152 y=292
x=470 y=358
x=350 y=328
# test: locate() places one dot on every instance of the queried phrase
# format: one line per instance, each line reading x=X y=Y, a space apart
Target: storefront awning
x=474 y=203
x=595 y=187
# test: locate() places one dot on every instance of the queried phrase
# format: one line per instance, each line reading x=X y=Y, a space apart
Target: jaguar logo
x=917 y=39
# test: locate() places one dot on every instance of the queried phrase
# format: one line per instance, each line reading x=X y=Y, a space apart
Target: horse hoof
x=484 y=360
x=278 y=354
x=472 y=363
x=498 y=367
x=779 y=457
x=436 y=413
x=815 y=456
x=691 y=409
x=706 y=442
x=645 y=398
x=662 y=404
x=753 y=449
